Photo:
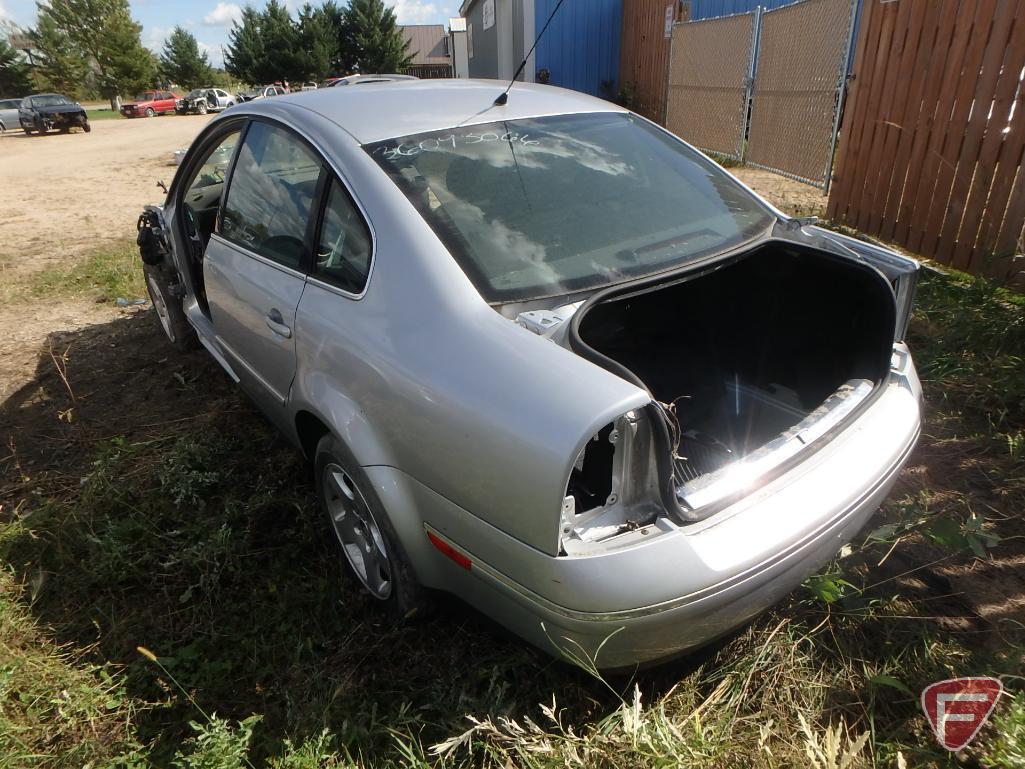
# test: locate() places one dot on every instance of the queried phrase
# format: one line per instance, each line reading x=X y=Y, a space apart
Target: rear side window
x=270 y=195
x=343 y=251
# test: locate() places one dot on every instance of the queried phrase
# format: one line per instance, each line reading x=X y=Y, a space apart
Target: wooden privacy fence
x=644 y=53
x=931 y=150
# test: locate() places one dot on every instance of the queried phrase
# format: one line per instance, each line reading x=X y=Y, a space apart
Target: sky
x=210 y=20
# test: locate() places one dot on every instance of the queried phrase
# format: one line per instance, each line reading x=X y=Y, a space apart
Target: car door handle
x=277 y=324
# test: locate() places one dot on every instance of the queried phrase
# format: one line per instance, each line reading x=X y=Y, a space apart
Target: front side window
x=202 y=195
x=545 y=206
x=270 y=194
x=343 y=251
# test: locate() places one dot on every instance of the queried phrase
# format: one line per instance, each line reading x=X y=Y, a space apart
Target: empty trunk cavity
x=750 y=360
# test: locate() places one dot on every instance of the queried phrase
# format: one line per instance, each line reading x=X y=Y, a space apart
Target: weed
x=1004 y=744
x=200 y=539
x=106 y=274
x=217 y=744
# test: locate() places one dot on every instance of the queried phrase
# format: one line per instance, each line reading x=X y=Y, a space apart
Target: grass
x=195 y=536
x=108 y=273
x=102 y=113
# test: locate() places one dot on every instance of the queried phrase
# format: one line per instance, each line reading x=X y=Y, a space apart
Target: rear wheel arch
x=309 y=429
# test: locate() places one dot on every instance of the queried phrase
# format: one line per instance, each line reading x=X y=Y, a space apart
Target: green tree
x=245 y=47
x=375 y=39
x=15 y=77
x=317 y=43
x=182 y=63
x=59 y=67
x=104 y=32
x=335 y=18
x=283 y=58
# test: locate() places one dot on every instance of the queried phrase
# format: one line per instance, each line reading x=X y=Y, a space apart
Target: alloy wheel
x=357 y=531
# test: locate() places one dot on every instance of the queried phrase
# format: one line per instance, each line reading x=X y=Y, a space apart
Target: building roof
x=428 y=43
x=376 y=111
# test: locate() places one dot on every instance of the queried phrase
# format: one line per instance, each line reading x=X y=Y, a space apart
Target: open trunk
x=751 y=360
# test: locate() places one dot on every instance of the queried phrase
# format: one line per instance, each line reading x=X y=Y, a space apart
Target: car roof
x=384 y=110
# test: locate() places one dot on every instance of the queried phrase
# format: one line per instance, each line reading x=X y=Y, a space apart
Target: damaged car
x=203 y=100
x=542 y=354
x=44 y=112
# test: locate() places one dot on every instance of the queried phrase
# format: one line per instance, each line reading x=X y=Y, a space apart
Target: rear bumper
x=688 y=585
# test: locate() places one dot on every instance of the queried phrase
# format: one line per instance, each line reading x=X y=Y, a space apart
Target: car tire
x=28 y=131
x=168 y=309
x=373 y=556
x=202 y=109
x=86 y=127
x=150 y=112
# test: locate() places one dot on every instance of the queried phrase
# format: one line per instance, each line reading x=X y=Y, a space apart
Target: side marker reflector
x=450 y=551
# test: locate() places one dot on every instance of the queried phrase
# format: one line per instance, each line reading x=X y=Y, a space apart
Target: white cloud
x=153 y=38
x=213 y=53
x=415 y=11
x=223 y=15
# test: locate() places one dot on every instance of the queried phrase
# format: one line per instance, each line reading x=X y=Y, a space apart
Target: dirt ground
x=795 y=198
x=65 y=194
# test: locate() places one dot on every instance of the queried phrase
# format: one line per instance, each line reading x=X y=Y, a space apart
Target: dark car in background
x=150 y=104
x=43 y=112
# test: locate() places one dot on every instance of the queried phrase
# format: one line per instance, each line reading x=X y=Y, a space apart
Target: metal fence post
x=841 y=93
x=669 y=73
x=756 y=32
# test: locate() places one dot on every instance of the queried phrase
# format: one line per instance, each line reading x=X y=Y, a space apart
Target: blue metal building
x=580 y=50
x=709 y=9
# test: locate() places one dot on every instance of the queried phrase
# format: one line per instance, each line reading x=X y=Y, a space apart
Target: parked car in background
x=203 y=100
x=43 y=112
x=308 y=87
x=361 y=79
x=9 y=114
x=262 y=92
x=543 y=355
x=151 y=103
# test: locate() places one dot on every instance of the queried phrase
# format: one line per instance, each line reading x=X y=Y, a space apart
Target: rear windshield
x=546 y=206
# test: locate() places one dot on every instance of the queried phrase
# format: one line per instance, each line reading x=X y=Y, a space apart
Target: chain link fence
x=764 y=87
x=709 y=76
x=798 y=88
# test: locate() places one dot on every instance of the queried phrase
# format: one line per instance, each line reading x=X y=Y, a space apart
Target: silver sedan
x=543 y=354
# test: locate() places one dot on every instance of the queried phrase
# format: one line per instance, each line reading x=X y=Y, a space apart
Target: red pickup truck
x=150 y=103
